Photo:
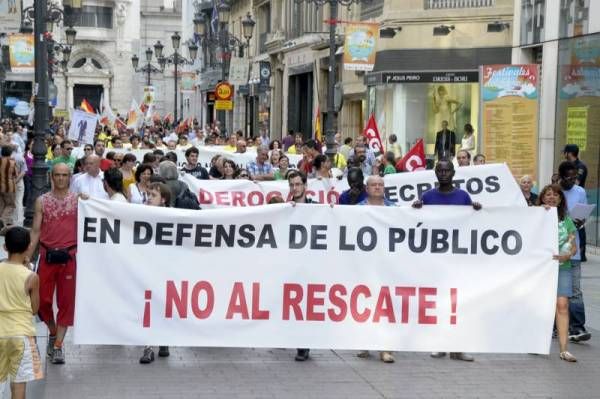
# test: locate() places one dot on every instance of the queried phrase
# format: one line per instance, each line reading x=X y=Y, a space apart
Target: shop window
x=578 y=114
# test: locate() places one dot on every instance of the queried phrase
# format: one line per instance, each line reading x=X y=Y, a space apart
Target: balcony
x=447 y=4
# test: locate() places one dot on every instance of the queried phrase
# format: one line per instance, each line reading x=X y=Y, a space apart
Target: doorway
x=92 y=93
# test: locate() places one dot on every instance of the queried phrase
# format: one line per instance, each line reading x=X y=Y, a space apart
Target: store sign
x=239 y=69
x=21 y=52
x=422 y=77
x=265 y=76
x=360 y=43
x=509 y=96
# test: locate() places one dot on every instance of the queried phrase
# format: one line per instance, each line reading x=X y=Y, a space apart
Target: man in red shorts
x=55 y=229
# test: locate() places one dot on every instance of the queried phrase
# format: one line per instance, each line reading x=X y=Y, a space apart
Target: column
x=70 y=95
x=106 y=92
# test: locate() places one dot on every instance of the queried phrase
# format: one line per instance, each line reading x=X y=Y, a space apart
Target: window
x=371 y=9
x=532 y=21
x=574 y=17
x=95 y=17
x=302 y=18
x=79 y=63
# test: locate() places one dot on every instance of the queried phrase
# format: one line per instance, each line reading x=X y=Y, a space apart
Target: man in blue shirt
x=356 y=193
x=261 y=169
x=447 y=194
x=574 y=194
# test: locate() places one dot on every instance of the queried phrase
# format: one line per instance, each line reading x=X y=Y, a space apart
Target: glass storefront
x=578 y=113
x=416 y=110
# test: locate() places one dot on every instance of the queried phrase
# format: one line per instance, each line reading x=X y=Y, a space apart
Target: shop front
x=578 y=113
x=411 y=92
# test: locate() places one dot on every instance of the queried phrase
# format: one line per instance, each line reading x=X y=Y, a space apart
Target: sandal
x=568 y=357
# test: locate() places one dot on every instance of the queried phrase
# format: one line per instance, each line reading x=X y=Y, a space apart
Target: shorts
x=565 y=283
x=19 y=360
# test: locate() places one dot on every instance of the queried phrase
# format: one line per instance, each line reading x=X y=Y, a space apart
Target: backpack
x=187 y=200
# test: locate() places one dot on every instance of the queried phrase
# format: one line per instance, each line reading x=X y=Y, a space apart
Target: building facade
x=563 y=36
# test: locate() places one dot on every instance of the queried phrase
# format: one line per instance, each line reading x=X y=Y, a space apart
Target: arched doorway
x=89 y=77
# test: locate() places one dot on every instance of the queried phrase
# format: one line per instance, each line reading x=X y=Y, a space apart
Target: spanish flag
x=87 y=107
x=318 y=133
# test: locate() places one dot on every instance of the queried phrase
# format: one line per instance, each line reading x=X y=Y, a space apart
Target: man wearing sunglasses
x=66 y=148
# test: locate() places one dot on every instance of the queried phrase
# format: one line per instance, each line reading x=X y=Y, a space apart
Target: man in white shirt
x=90 y=183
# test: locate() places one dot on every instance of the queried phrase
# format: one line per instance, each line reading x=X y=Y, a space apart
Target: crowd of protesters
x=105 y=171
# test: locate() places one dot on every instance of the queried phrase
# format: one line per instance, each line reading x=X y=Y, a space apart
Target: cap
x=571 y=148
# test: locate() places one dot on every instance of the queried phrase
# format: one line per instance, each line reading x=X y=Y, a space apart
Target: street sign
x=223 y=105
x=224 y=91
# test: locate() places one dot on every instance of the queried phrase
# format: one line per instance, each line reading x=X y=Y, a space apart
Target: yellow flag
x=318 y=133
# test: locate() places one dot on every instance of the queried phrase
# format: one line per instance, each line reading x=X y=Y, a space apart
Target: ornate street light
x=176 y=41
x=147 y=68
x=333 y=21
x=200 y=24
x=175 y=59
x=44 y=15
x=224 y=11
x=248 y=27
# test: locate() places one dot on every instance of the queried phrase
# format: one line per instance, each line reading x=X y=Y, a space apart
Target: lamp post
x=148 y=68
x=44 y=15
x=223 y=40
x=175 y=59
x=331 y=111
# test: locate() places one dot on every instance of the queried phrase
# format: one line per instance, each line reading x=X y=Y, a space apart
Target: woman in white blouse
x=468 y=140
x=138 y=192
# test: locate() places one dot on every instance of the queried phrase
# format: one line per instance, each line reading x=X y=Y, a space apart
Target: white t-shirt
x=92 y=186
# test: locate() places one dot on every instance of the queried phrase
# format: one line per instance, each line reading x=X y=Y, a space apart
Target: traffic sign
x=224 y=91
x=223 y=105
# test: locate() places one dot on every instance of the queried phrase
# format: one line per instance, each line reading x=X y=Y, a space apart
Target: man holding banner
x=447 y=194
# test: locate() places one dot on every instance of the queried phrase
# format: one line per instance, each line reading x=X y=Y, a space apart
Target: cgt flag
x=414 y=159
x=372 y=134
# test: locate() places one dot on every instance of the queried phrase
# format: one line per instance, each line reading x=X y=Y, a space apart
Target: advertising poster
x=360 y=45
x=188 y=80
x=21 y=52
x=149 y=95
x=509 y=119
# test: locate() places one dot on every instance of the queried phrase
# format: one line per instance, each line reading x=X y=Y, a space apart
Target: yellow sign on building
x=577 y=124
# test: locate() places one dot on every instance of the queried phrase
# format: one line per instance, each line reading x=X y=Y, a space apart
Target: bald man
x=55 y=229
x=376 y=192
x=90 y=183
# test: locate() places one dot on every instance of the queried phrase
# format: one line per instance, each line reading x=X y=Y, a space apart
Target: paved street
x=114 y=372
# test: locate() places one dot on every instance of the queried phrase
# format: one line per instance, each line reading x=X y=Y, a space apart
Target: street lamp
x=175 y=59
x=333 y=21
x=44 y=15
x=147 y=68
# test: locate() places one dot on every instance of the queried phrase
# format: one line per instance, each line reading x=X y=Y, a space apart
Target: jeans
x=576 y=306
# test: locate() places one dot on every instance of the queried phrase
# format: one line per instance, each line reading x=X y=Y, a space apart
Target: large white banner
x=387 y=278
x=206 y=153
x=491 y=185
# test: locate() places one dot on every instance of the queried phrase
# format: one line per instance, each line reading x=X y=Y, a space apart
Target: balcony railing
x=445 y=4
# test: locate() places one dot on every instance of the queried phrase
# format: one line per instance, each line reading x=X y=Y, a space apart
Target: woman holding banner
x=159 y=194
x=138 y=192
x=553 y=197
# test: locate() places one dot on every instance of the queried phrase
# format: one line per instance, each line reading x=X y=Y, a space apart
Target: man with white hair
x=376 y=196
x=90 y=182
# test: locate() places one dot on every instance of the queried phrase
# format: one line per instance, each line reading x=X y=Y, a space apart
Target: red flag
x=414 y=159
x=87 y=107
x=372 y=134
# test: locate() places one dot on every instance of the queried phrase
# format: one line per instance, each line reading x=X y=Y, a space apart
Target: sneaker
x=163 y=351
x=301 y=355
x=58 y=357
x=50 y=346
x=461 y=356
x=147 y=356
x=566 y=356
x=386 y=357
x=437 y=355
x=363 y=354
x=580 y=336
